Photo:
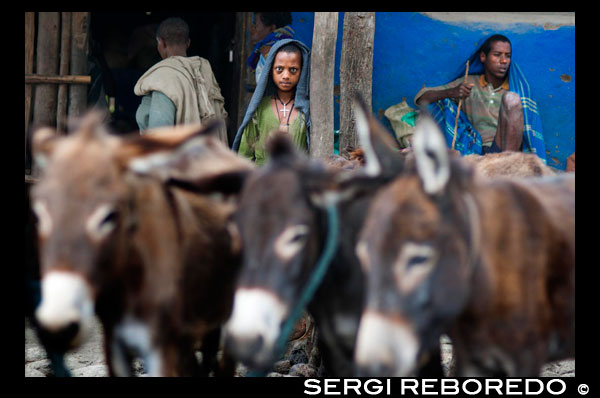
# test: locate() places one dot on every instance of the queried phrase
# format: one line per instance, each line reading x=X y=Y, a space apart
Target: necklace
x=285 y=126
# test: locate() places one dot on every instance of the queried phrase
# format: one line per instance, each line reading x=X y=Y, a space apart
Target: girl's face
x=286 y=70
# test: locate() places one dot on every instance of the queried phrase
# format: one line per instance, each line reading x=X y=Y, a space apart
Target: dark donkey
x=121 y=238
x=283 y=225
x=489 y=262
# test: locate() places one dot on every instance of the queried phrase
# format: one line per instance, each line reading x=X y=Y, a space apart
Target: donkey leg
x=117 y=359
x=209 y=349
x=432 y=367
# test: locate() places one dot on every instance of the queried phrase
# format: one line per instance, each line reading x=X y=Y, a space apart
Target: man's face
x=258 y=30
x=286 y=70
x=498 y=59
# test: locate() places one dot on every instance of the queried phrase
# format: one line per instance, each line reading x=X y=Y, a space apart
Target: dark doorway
x=124 y=46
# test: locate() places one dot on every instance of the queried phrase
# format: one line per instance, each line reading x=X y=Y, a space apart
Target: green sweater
x=155 y=110
x=264 y=121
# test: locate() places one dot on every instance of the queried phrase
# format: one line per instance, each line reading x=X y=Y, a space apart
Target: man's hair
x=487 y=44
x=173 y=31
x=278 y=19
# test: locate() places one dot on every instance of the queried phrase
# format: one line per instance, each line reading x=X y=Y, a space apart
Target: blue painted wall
x=412 y=50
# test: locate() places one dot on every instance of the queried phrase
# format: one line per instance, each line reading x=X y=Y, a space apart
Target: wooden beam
x=322 y=65
x=79 y=60
x=29 y=42
x=30 y=179
x=44 y=103
x=65 y=56
x=69 y=79
x=356 y=70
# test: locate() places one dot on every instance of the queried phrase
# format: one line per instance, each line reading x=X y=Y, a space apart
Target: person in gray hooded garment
x=280 y=101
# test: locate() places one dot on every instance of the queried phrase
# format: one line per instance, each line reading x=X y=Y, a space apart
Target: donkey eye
x=291 y=240
x=110 y=218
x=417 y=260
x=102 y=221
x=298 y=237
x=44 y=220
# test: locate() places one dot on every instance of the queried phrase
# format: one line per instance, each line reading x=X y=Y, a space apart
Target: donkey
x=283 y=225
x=490 y=262
x=509 y=164
x=122 y=235
x=492 y=165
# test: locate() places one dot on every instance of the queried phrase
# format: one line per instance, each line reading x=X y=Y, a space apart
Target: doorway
x=123 y=45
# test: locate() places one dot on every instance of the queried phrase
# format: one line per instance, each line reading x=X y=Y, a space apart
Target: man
x=500 y=114
x=179 y=89
x=267 y=28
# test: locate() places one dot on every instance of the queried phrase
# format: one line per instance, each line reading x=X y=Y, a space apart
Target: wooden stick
x=65 y=57
x=47 y=79
x=29 y=50
x=458 y=110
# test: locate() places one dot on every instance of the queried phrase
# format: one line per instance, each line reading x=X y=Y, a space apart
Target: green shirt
x=482 y=106
x=263 y=122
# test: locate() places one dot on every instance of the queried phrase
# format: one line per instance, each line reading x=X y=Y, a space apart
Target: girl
x=280 y=101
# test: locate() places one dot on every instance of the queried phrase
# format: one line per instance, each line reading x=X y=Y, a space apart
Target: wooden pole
x=458 y=109
x=29 y=41
x=65 y=57
x=44 y=108
x=79 y=58
x=240 y=66
x=356 y=70
x=322 y=65
x=68 y=79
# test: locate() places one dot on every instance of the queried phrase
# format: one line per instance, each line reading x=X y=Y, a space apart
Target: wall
x=414 y=49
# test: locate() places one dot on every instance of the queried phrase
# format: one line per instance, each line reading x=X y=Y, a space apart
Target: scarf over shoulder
x=190 y=83
x=265 y=86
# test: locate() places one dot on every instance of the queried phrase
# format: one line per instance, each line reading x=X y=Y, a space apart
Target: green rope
x=314 y=281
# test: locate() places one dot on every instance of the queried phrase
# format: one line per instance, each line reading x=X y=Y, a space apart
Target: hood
x=265 y=86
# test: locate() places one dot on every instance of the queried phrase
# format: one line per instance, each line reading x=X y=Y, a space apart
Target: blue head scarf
x=285 y=32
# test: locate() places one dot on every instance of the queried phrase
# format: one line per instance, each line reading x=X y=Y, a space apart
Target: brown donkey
x=122 y=235
x=490 y=262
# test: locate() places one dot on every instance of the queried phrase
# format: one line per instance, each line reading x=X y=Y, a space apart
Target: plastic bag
x=403 y=118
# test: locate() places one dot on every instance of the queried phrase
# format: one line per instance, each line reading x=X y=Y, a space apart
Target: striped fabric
x=533 y=135
x=468 y=140
x=285 y=32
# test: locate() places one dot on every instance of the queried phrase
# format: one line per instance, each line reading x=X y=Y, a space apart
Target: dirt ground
x=88 y=360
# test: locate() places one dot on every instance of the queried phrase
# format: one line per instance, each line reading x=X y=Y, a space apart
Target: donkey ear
x=431 y=155
x=183 y=131
x=43 y=144
x=190 y=158
x=281 y=149
x=380 y=149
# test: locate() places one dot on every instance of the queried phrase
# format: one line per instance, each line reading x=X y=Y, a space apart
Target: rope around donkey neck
x=313 y=283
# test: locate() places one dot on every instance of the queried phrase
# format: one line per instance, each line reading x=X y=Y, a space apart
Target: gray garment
x=265 y=86
x=155 y=110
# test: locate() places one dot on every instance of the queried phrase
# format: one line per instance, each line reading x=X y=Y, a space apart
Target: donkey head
x=279 y=225
x=283 y=224
x=415 y=250
x=87 y=206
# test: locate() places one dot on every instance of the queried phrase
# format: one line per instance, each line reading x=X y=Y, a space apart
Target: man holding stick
x=497 y=111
